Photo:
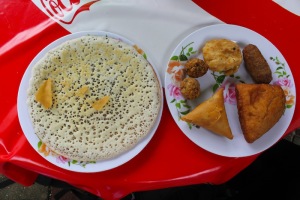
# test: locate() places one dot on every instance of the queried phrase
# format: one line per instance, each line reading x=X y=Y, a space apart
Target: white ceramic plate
x=191 y=47
x=58 y=160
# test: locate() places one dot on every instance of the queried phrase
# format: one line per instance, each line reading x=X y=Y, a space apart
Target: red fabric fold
x=170 y=159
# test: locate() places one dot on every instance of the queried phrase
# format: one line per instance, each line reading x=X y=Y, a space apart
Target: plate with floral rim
x=59 y=160
x=190 y=47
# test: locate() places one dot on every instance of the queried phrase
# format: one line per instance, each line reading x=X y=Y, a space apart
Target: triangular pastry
x=211 y=115
x=260 y=106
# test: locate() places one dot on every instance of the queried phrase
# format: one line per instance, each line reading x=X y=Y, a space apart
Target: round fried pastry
x=195 y=67
x=190 y=88
x=222 y=55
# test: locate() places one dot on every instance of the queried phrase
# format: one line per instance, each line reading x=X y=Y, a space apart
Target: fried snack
x=222 y=55
x=257 y=65
x=195 y=67
x=211 y=115
x=44 y=94
x=98 y=105
x=190 y=88
x=260 y=106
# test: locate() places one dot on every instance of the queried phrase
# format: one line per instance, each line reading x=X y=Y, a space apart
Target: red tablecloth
x=170 y=159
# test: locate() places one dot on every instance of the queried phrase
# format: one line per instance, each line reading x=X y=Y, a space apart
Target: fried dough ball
x=190 y=88
x=196 y=67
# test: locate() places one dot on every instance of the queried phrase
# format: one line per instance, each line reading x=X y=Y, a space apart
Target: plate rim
x=99 y=166
x=226 y=26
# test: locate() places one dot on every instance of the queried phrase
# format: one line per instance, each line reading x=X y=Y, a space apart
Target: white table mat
x=291 y=5
x=156 y=26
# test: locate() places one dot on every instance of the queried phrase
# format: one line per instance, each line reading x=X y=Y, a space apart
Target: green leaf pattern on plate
x=176 y=70
x=45 y=151
x=283 y=81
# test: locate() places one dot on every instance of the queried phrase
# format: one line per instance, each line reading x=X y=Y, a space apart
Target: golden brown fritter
x=222 y=55
x=190 y=88
x=195 y=67
x=260 y=106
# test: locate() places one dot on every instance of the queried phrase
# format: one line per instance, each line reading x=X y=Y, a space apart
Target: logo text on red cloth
x=65 y=11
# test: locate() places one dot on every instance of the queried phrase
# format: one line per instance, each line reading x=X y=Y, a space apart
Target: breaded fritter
x=195 y=67
x=190 y=88
x=222 y=55
x=260 y=106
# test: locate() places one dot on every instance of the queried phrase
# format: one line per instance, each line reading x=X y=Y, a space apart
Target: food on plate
x=211 y=115
x=195 y=67
x=190 y=88
x=106 y=98
x=222 y=55
x=256 y=64
x=99 y=104
x=260 y=106
x=82 y=91
x=43 y=94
